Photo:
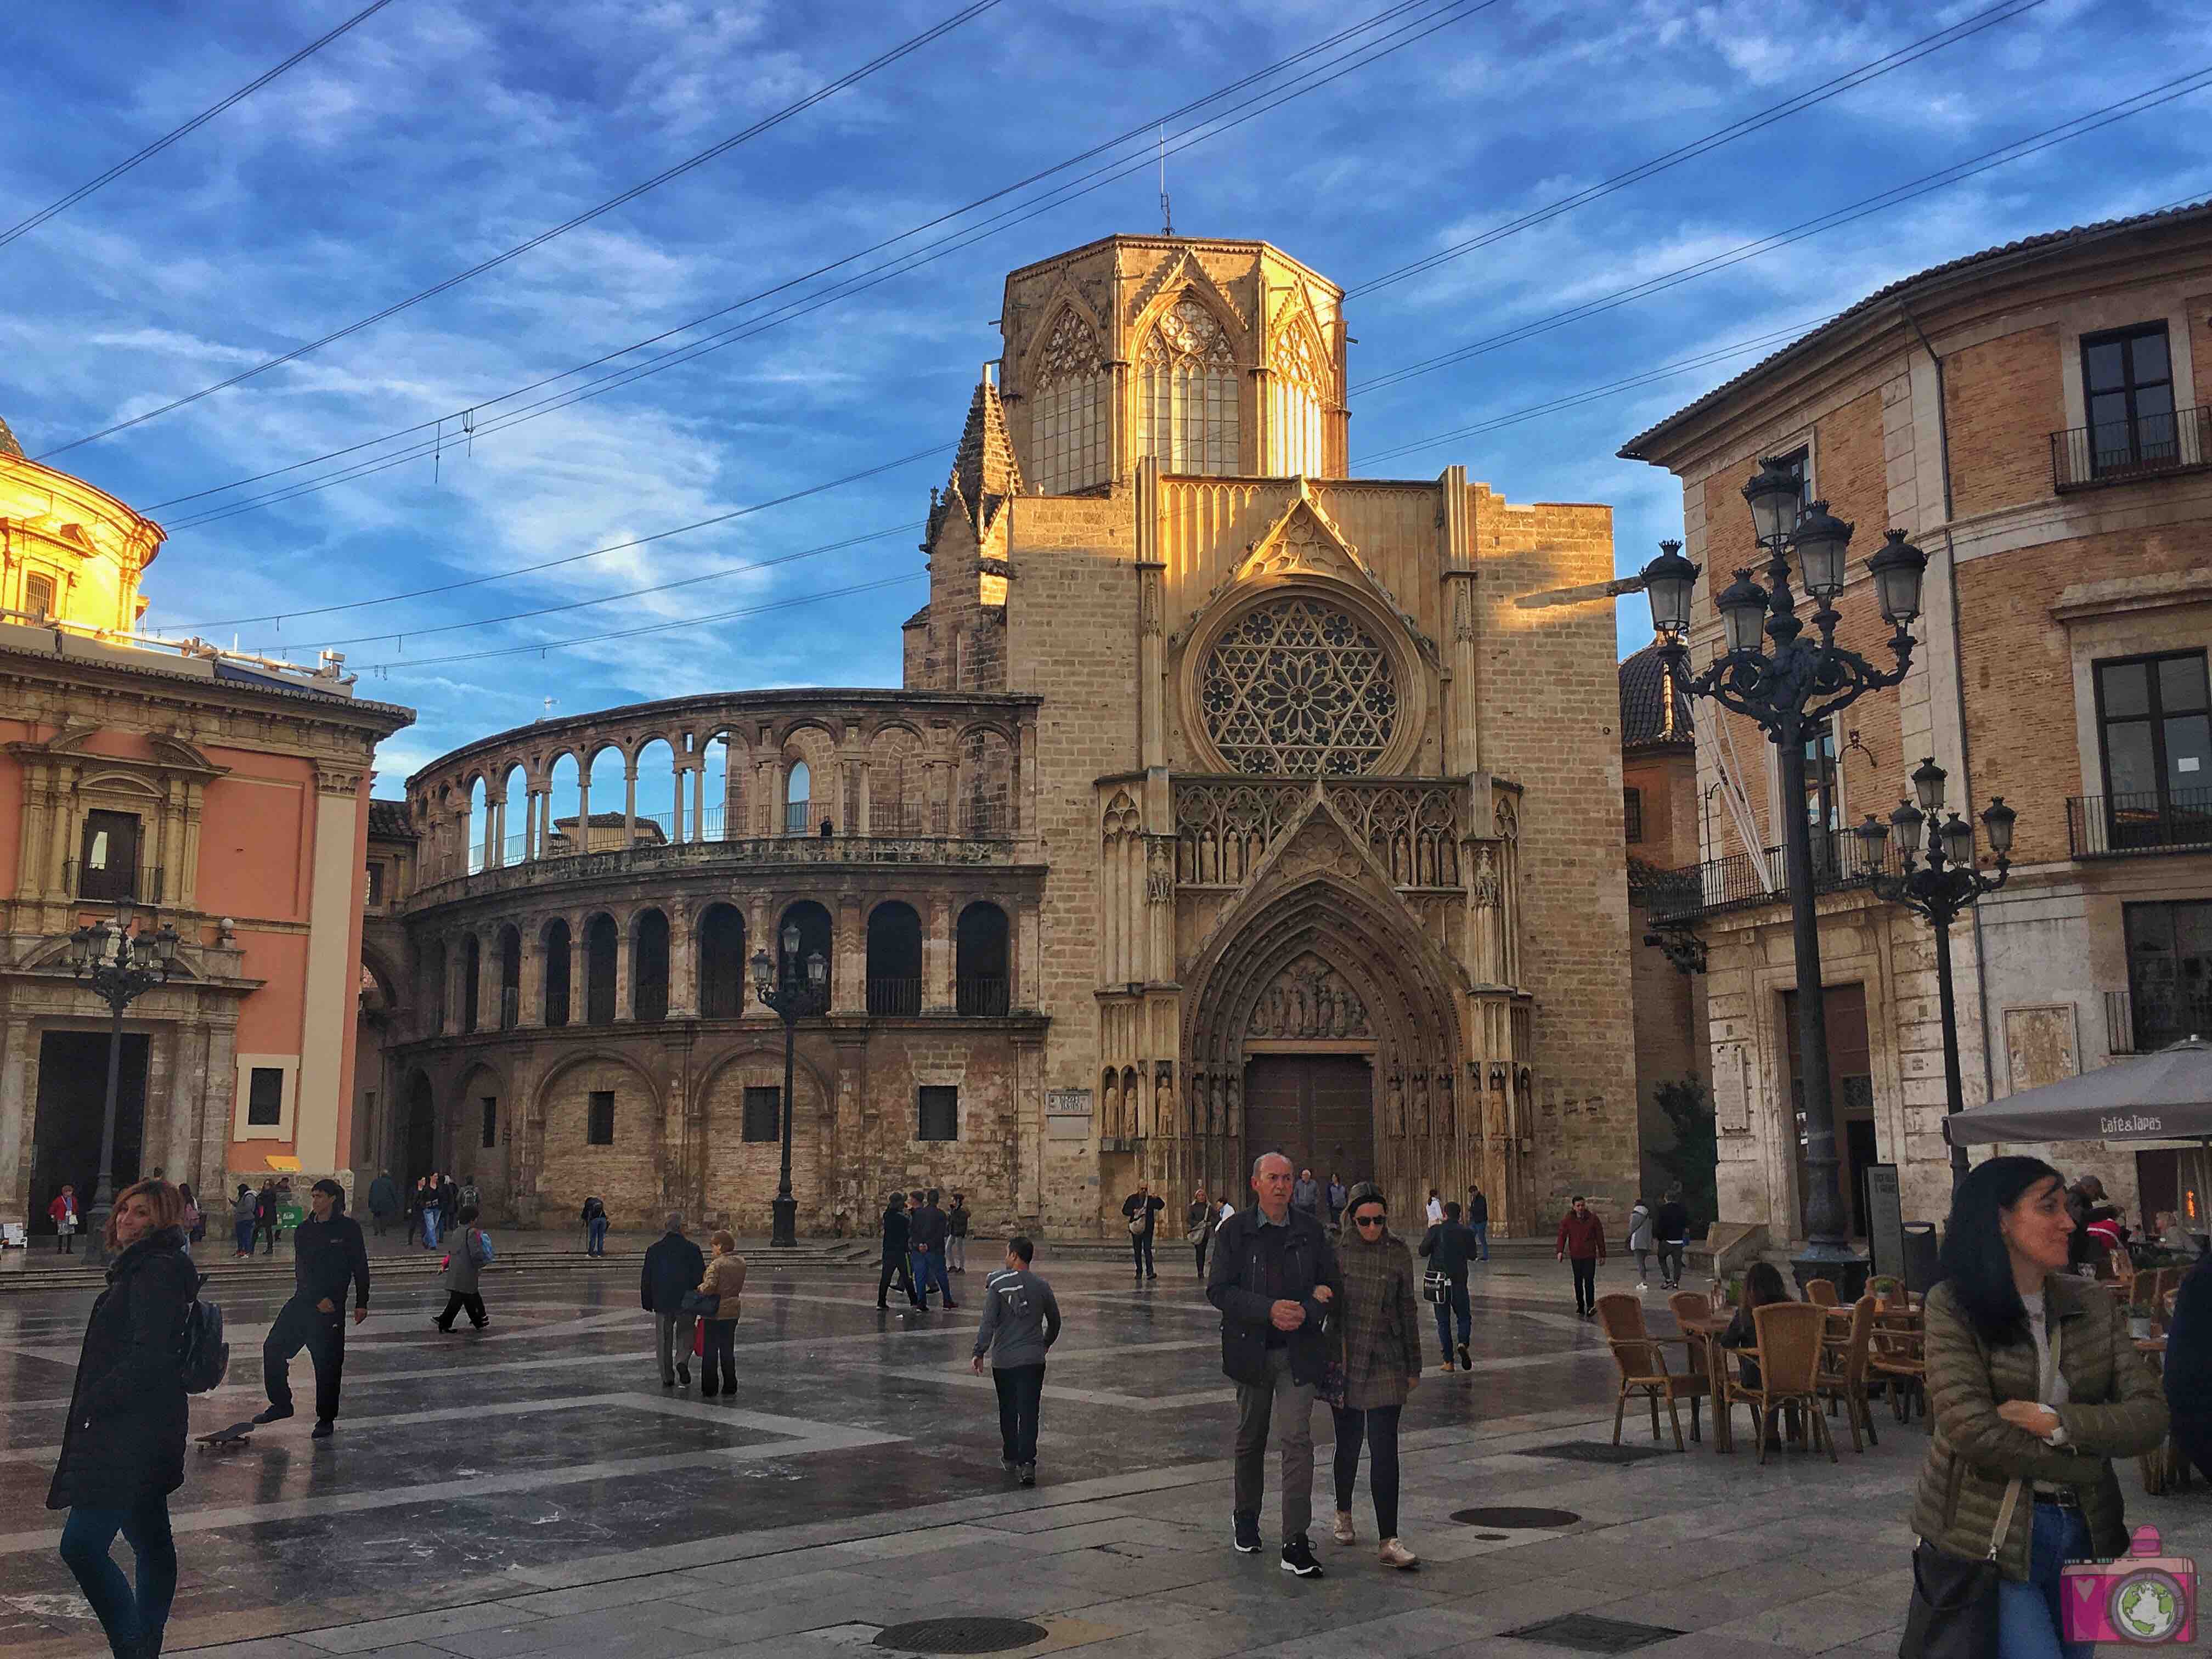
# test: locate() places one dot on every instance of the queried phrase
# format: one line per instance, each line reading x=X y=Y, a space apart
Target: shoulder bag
x=700 y=1305
x=1435 y=1285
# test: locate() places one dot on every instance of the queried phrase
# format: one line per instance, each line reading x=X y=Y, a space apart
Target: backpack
x=483 y=1239
x=203 y=1357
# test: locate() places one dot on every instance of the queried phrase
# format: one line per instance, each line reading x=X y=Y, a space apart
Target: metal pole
x=785 y=1235
x=103 y=1195
x=1828 y=1245
x=1954 y=1093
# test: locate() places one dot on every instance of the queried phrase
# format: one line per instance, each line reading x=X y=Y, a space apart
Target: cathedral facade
x=1230 y=804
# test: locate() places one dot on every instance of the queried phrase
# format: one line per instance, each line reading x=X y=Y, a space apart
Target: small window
x=798 y=800
x=110 y=867
x=39 y=596
x=1632 y=813
x=2127 y=386
x=940 y=1114
x=491 y=1104
x=764 y=1112
x=265 y=1097
x=599 y=1118
x=375 y=886
x=2155 y=715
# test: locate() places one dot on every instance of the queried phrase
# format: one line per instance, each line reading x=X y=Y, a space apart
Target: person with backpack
x=328 y=1254
x=122 y=1446
x=466 y=1258
x=595 y=1227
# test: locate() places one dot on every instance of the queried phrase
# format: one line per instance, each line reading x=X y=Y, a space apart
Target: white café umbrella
x=2166 y=1095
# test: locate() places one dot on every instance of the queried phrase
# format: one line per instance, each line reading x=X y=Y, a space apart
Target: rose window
x=1299 y=687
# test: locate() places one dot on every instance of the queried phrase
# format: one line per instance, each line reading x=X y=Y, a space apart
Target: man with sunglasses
x=1274 y=1276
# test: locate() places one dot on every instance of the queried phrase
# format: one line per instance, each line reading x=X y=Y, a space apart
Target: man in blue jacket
x=673 y=1269
x=1272 y=1277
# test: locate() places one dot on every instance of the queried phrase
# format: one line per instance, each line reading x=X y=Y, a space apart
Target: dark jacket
x=898 y=1234
x=957 y=1219
x=327 y=1256
x=383 y=1196
x=673 y=1267
x=1449 y=1246
x=1672 y=1224
x=1375 y=1326
x=595 y=1210
x=264 y=1207
x=125 y=1440
x=929 y=1229
x=2188 y=1350
x=1237 y=1283
x=449 y=1204
x=1478 y=1210
x=1151 y=1204
x=1582 y=1236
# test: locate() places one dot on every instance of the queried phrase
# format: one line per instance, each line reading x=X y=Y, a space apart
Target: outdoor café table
x=1710 y=1327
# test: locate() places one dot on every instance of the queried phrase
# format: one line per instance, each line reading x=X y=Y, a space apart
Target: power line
x=851 y=78
x=24 y=226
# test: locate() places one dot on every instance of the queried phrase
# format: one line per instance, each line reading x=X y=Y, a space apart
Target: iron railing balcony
x=894 y=996
x=1840 y=861
x=2122 y=452
x=980 y=998
x=2144 y=1019
x=2147 y=821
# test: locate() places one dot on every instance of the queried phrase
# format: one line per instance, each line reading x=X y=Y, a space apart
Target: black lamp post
x=1789 y=691
x=121 y=963
x=1939 y=891
x=795 y=995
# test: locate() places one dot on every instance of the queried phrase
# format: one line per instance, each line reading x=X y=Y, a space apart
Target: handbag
x=1137 y=1223
x=1435 y=1285
x=1335 y=1374
x=700 y=1305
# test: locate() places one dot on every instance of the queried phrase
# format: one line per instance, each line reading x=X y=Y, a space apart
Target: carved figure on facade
x=1159 y=869
x=1486 y=881
x=1308 y=1000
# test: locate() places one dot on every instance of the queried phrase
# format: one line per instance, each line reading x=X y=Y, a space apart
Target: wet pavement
x=533 y=1489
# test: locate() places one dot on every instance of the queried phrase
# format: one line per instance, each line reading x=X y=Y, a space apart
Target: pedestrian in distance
x=2034 y=1388
x=1478 y=1219
x=280 y=1201
x=1436 y=1208
x=1639 y=1241
x=957 y=1218
x=1140 y=1211
x=469 y=1193
x=468 y=1251
x=435 y=1214
x=929 y=1231
x=1021 y=1322
x=1449 y=1246
x=64 y=1211
x=245 y=1211
x=1198 y=1222
x=1336 y=1192
x=1273 y=1278
x=418 y=1202
x=898 y=1234
x=1374 y=1330
x=383 y=1201
x=595 y=1227
x=1582 y=1243
x=194 y=1224
x=1671 y=1227
x=265 y=1216
x=673 y=1266
x=123 y=1445
x=1306 y=1192
x=725 y=1281
x=449 y=1205
x=328 y=1255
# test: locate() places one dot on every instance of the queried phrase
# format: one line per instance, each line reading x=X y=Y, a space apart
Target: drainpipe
x=1959 y=681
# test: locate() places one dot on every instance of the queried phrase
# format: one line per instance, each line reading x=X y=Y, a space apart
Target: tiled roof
x=1646 y=692
x=2048 y=241
x=916 y=620
x=388 y=821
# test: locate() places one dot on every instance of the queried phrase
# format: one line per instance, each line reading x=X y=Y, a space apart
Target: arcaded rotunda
x=1230 y=803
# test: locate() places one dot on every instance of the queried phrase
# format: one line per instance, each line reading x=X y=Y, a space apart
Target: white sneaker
x=1641 y=1285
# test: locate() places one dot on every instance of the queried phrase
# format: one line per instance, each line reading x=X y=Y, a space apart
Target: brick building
x=2036 y=415
x=1229 y=803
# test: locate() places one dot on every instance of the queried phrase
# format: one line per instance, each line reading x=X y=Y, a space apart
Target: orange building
x=223 y=795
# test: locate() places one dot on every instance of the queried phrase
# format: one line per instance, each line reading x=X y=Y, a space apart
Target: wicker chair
x=1844 y=1372
x=1643 y=1361
x=1822 y=1292
x=1788 y=1357
x=1896 y=1358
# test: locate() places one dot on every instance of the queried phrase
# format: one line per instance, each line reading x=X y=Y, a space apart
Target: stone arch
x=894 y=958
x=898 y=780
x=987 y=794
x=556 y=947
x=628 y=1174
x=720 y=935
x=468 y=1154
x=649 y=936
x=740 y=1176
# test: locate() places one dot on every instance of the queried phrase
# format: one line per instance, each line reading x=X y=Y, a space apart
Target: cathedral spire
x=8 y=446
x=984 y=470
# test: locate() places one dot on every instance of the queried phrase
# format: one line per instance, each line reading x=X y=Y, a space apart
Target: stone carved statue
x=1308 y=1000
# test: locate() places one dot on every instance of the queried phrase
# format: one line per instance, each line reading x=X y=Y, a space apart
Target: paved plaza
x=532 y=1490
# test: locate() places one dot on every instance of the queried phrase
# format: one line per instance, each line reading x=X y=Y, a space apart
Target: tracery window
x=1296 y=392
x=1298 y=686
x=1067 y=429
x=1186 y=393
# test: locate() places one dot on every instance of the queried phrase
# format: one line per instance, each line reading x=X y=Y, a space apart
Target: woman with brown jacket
x=718 y=1331
x=1376 y=1333
x=2031 y=1378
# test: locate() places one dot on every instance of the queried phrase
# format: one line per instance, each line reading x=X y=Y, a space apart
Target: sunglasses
x=1368 y=1221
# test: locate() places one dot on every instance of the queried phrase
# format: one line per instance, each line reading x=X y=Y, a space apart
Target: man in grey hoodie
x=1021 y=1320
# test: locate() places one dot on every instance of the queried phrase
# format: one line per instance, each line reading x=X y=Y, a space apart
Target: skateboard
x=225 y=1439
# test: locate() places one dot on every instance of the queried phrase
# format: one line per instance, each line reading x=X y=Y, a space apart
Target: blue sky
x=438 y=133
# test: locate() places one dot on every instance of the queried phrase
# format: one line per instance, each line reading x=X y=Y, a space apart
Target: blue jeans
x=2029 y=1620
x=243 y=1232
x=595 y=1232
x=1456 y=1301
x=929 y=1270
x=126 y=1615
x=1481 y=1230
x=429 y=1230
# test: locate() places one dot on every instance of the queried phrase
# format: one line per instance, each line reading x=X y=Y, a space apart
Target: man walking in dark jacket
x=929 y=1231
x=1272 y=1278
x=1141 y=1211
x=1021 y=1320
x=383 y=1201
x=328 y=1254
x=1478 y=1218
x=1449 y=1246
x=673 y=1269
x=1671 y=1227
x=898 y=1242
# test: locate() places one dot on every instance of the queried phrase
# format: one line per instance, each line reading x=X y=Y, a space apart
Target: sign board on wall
x=1731 y=1096
x=1885 y=1207
x=1067 y=1114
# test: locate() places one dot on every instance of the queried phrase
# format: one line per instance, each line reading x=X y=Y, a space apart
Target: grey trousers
x=675 y=1341
x=1255 y=1411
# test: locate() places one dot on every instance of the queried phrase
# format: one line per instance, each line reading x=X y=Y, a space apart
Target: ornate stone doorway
x=1318 y=1110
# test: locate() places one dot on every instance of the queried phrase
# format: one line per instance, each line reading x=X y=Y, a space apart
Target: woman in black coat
x=123 y=1452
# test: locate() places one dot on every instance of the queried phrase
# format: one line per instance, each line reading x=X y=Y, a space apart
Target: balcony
x=2132 y=825
x=2145 y=1019
x=1840 y=863
x=143 y=884
x=2124 y=451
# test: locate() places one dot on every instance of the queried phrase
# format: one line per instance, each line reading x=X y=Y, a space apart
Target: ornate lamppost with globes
x=1770 y=673
x=1939 y=890
x=796 y=994
x=121 y=963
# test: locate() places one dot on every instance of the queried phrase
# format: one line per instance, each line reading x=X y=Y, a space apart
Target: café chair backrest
x=1848 y=1353
x=1789 y=1345
x=1621 y=1317
x=1687 y=1305
x=1822 y=1292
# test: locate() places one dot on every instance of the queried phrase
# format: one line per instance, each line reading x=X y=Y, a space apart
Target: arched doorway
x=418 y=1130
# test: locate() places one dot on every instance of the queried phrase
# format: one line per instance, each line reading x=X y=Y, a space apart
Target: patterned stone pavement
x=533 y=1491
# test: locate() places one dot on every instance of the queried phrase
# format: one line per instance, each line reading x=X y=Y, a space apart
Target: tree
x=1692 y=1159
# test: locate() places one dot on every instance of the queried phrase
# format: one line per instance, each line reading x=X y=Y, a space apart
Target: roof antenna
x=1167 y=214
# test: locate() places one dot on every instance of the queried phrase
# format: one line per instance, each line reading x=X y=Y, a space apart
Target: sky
x=437 y=134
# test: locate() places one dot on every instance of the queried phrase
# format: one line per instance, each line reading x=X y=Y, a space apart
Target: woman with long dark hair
x=2034 y=1388
x=123 y=1451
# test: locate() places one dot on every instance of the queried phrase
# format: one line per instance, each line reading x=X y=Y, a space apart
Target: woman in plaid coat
x=1375 y=1335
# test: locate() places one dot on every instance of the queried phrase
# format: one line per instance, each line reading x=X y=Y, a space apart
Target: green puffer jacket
x=2117 y=1410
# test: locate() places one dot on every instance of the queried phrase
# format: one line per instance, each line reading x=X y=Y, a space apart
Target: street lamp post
x=1788 y=691
x=796 y=995
x=1939 y=891
x=120 y=963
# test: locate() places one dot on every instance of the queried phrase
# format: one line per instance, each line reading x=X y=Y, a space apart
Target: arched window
x=722 y=963
x=602 y=939
x=557 y=944
x=472 y=970
x=814 y=935
x=979 y=966
x=893 y=959
x=1067 y=402
x=510 y=977
x=1296 y=389
x=798 y=800
x=648 y=966
x=1186 y=393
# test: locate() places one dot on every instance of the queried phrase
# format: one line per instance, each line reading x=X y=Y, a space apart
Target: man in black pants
x=1142 y=1212
x=1021 y=1320
x=328 y=1254
x=897 y=1236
